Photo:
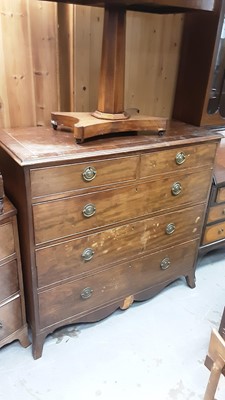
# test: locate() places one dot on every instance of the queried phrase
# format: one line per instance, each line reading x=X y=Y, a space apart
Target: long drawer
x=61 y=218
x=80 y=296
x=10 y=317
x=8 y=280
x=77 y=256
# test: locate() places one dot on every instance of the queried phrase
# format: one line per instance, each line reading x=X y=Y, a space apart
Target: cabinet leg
x=190 y=279
x=23 y=338
x=37 y=346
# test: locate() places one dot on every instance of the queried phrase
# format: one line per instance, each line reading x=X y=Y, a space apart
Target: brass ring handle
x=170 y=228
x=180 y=158
x=87 y=254
x=176 y=188
x=86 y=293
x=1 y=325
x=89 y=173
x=165 y=263
x=89 y=210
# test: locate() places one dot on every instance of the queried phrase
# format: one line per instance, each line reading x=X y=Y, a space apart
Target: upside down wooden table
x=107 y=222
x=110 y=115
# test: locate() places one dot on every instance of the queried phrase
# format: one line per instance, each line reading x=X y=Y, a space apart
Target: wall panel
x=50 y=60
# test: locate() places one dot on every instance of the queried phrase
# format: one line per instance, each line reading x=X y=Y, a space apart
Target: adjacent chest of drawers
x=12 y=310
x=104 y=223
x=213 y=235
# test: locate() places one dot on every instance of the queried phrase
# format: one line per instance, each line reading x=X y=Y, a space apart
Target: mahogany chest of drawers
x=12 y=310
x=213 y=235
x=107 y=222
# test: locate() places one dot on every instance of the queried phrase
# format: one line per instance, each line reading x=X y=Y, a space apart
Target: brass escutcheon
x=170 y=228
x=87 y=254
x=180 y=158
x=89 y=174
x=165 y=263
x=86 y=293
x=89 y=210
x=176 y=188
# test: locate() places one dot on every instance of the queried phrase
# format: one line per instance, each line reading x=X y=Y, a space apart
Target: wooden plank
x=152 y=56
x=16 y=71
x=43 y=23
x=65 y=13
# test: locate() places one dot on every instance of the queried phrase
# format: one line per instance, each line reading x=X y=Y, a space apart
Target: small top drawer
x=220 y=198
x=7 y=247
x=174 y=159
x=65 y=178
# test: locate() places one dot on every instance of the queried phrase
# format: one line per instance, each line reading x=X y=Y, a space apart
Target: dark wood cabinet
x=12 y=310
x=104 y=223
x=200 y=92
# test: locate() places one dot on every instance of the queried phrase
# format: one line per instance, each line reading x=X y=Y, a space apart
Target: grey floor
x=153 y=351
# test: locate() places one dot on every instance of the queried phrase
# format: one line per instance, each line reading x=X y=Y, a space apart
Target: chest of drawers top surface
x=37 y=146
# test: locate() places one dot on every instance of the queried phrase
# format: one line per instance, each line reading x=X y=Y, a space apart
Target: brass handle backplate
x=87 y=254
x=89 y=210
x=170 y=228
x=86 y=293
x=176 y=188
x=180 y=158
x=89 y=174
x=165 y=263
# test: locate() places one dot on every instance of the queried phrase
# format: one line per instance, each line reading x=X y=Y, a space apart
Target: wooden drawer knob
x=89 y=174
x=176 y=188
x=87 y=254
x=86 y=293
x=89 y=210
x=221 y=230
x=180 y=158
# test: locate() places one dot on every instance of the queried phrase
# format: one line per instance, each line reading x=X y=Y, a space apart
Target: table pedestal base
x=85 y=125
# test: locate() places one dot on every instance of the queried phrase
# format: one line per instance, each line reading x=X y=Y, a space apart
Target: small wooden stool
x=216 y=352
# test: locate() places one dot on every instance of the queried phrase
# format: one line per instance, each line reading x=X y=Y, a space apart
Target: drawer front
x=220 y=198
x=216 y=213
x=8 y=280
x=77 y=256
x=7 y=247
x=175 y=159
x=52 y=180
x=214 y=233
x=86 y=294
x=10 y=318
x=61 y=218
